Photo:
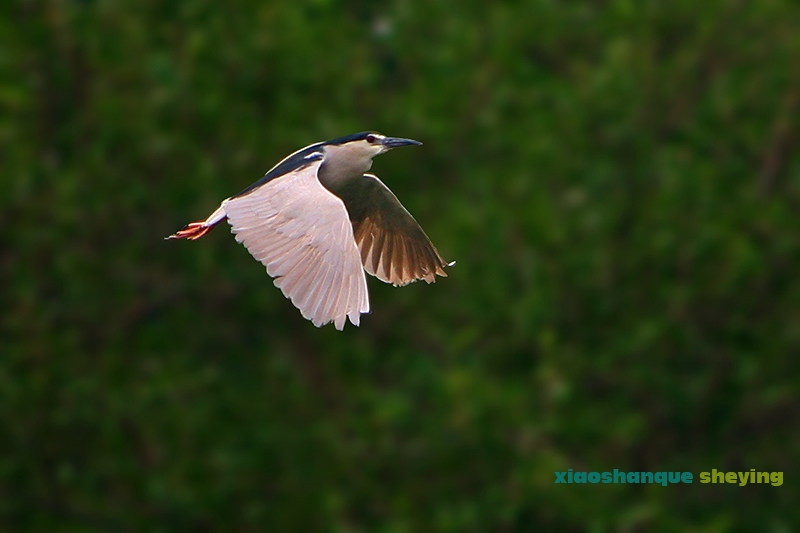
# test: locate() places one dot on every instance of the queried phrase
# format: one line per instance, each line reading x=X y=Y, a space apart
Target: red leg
x=192 y=231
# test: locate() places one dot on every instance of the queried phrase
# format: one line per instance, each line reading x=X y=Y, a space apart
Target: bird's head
x=349 y=157
x=369 y=143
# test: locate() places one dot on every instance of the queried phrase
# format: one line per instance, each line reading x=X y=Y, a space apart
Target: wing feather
x=378 y=240
x=324 y=306
x=301 y=232
x=393 y=246
x=316 y=295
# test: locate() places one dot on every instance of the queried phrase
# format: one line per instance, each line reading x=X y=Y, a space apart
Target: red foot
x=192 y=231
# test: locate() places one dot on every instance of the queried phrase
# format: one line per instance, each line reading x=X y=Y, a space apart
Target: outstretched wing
x=301 y=232
x=393 y=246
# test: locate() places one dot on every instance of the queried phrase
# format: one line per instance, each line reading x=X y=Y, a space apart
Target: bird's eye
x=370 y=139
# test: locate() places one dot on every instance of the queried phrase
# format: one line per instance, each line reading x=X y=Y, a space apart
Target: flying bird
x=317 y=220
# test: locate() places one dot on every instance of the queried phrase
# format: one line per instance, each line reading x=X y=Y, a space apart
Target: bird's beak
x=395 y=142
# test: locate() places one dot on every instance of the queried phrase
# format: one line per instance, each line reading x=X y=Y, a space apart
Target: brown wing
x=393 y=246
x=301 y=233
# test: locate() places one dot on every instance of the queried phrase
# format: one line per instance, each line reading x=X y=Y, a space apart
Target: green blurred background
x=618 y=181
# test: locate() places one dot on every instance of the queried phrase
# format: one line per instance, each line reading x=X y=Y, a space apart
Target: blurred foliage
x=618 y=181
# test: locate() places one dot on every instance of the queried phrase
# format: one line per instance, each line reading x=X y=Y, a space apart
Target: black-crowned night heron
x=316 y=217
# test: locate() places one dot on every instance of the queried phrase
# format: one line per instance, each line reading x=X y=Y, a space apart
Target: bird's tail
x=195 y=230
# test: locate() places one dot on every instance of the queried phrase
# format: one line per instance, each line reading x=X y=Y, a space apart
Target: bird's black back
x=299 y=160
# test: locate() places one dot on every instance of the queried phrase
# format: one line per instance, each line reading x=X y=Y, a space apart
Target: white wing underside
x=302 y=233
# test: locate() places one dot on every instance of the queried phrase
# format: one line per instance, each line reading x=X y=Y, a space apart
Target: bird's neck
x=342 y=165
